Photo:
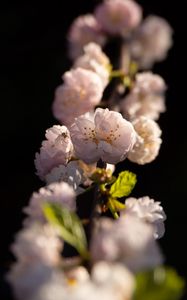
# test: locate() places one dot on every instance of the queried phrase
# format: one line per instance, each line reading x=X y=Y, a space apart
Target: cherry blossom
x=60 y=193
x=146 y=97
x=118 y=16
x=84 y=29
x=95 y=60
x=38 y=243
x=149 y=83
x=128 y=240
x=148 y=210
x=28 y=278
x=56 y=149
x=109 y=281
x=81 y=91
x=151 y=42
x=106 y=135
x=148 y=141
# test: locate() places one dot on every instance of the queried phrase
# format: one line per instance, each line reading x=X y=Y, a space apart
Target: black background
x=33 y=58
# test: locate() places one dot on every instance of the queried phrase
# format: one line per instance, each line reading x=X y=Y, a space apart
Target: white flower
x=149 y=211
x=118 y=16
x=107 y=281
x=128 y=240
x=150 y=106
x=27 y=279
x=113 y=281
x=151 y=42
x=60 y=193
x=148 y=141
x=106 y=136
x=38 y=243
x=85 y=29
x=149 y=83
x=81 y=91
x=146 y=97
x=72 y=174
x=56 y=150
x=94 y=59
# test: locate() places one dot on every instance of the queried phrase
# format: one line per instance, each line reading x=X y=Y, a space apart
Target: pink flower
x=146 y=97
x=94 y=59
x=38 y=243
x=118 y=16
x=128 y=240
x=85 y=29
x=72 y=174
x=149 y=83
x=56 y=150
x=29 y=278
x=81 y=91
x=148 y=141
x=151 y=42
x=60 y=193
x=133 y=106
x=149 y=211
x=112 y=281
x=106 y=136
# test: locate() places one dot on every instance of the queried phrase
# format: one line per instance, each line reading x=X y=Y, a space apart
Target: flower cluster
x=83 y=237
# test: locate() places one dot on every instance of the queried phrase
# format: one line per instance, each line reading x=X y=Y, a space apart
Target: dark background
x=33 y=58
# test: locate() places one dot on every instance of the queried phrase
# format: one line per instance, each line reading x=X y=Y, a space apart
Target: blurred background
x=33 y=58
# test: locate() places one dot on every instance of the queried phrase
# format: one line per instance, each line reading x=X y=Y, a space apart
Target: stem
x=123 y=65
x=125 y=58
x=115 y=215
x=95 y=213
x=117 y=74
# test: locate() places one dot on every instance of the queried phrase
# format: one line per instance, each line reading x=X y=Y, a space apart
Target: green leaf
x=70 y=227
x=160 y=284
x=124 y=185
x=111 y=206
x=127 y=81
x=116 y=205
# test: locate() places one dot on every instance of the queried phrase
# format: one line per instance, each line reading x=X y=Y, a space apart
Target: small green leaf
x=133 y=68
x=127 y=81
x=116 y=74
x=117 y=206
x=112 y=208
x=70 y=226
x=160 y=284
x=124 y=185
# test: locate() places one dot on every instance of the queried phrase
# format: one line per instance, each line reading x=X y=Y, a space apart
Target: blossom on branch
x=148 y=141
x=146 y=97
x=38 y=243
x=115 y=257
x=71 y=173
x=149 y=211
x=84 y=29
x=95 y=59
x=109 y=281
x=149 y=83
x=29 y=278
x=128 y=240
x=118 y=17
x=55 y=150
x=105 y=135
x=60 y=193
x=81 y=91
x=151 y=42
